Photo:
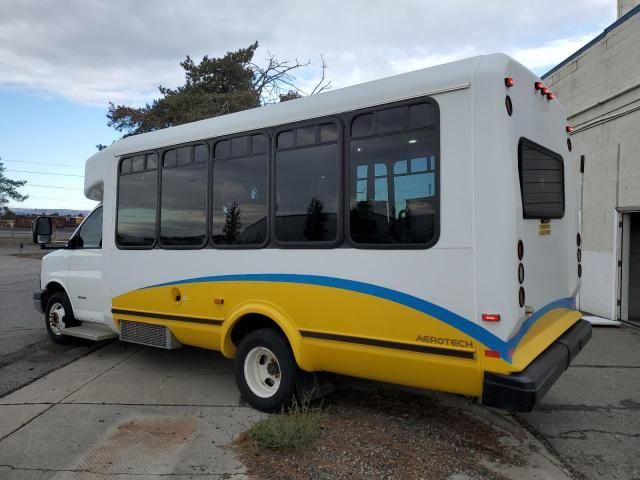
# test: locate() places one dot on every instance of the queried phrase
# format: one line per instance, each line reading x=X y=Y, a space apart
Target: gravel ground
x=388 y=435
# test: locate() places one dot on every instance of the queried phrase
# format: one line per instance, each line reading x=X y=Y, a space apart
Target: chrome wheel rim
x=262 y=372
x=55 y=318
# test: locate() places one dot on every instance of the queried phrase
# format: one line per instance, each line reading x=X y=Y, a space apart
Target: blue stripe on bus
x=466 y=326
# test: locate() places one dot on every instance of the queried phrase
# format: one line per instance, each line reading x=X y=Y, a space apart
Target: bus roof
x=428 y=81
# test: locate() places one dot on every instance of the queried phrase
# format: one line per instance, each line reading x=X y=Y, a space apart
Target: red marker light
x=538 y=86
x=568 y=129
x=551 y=96
x=544 y=90
x=491 y=317
x=491 y=353
x=508 y=82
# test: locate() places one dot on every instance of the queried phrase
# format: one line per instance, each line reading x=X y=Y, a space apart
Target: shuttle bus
x=421 y=229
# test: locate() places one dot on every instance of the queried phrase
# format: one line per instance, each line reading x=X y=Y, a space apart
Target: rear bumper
x=522 y=391
x=37 y=300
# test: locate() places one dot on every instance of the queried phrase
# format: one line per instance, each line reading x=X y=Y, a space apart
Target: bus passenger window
x=183 y=203
x=306 y=188
x=136 y=210
x=393 y=188
x=240 y=192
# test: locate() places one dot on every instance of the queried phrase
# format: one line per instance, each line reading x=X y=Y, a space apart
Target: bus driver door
x=86 y=269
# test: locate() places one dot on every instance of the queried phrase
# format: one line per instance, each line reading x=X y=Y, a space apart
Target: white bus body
x=452 y=314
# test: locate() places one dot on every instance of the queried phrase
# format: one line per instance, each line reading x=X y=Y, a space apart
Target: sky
x=62 y=62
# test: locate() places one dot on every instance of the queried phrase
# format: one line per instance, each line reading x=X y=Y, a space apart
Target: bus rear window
x=541 y=181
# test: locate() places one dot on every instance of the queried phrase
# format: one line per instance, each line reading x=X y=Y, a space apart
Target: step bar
x=90 y=331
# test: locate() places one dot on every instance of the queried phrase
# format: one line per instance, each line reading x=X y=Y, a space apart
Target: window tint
x=136 y=210
x=393 y=191
x=328 y=133
x=125 y=166
x=90 y=233
x=240 y=200
x=137 y=163
x=306 y=190
x=394 y=119
x=287 y=139
x=152 y=161
x=541 y=181
x=183 y=204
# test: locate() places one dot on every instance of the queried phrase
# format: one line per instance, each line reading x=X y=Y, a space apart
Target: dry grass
x=371 y=435
x=292 y=430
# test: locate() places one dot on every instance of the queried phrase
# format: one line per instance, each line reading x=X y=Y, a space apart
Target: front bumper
x=37 y=300
x=521 y=392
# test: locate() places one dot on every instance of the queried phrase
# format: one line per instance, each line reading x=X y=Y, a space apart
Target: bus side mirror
x=41 y=230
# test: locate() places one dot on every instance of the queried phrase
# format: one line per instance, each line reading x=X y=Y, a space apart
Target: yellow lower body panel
x=342 y=327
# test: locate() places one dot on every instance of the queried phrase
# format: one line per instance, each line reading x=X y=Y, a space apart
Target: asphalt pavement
x=591 y=416
x=26 y=352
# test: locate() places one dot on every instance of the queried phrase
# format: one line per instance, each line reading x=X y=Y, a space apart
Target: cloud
x=95 y=51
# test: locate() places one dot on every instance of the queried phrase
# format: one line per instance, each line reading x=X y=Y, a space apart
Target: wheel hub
x=56 y=315
x=262 y=372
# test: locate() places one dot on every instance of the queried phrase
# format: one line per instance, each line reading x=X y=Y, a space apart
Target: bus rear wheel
x=265 y=370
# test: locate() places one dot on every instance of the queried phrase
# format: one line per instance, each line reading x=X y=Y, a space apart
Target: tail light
x=491 y=317
x=508 y=82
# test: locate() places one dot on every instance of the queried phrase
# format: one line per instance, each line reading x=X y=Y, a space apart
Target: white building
x=599 y=86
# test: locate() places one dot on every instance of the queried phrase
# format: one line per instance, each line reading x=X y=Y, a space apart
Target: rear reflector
x=491 y=353
x=491 y=317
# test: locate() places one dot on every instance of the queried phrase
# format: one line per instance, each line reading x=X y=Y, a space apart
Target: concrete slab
x=187 y=376
x=13 y=417
x=73 y=441
x=57 y=385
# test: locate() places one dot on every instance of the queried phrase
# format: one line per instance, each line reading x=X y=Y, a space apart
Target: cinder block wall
x=600 y=90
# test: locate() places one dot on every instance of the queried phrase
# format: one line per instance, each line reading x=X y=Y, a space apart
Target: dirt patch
x=384 y=434
x=148 y=444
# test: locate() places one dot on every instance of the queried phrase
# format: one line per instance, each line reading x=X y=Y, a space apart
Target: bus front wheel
x=57 y=316
x=265 y=370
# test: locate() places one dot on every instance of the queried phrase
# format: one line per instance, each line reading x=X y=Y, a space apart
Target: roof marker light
x=544 y=90
x=491 y=317
x=538 y=86
x=551 y=96
x=508 y=82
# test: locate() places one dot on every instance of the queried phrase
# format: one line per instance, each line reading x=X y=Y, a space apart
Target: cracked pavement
x=591 y=416
x=126 y=412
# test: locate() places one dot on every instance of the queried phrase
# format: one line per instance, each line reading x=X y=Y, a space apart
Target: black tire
x=59 y=298
x=283 y=397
